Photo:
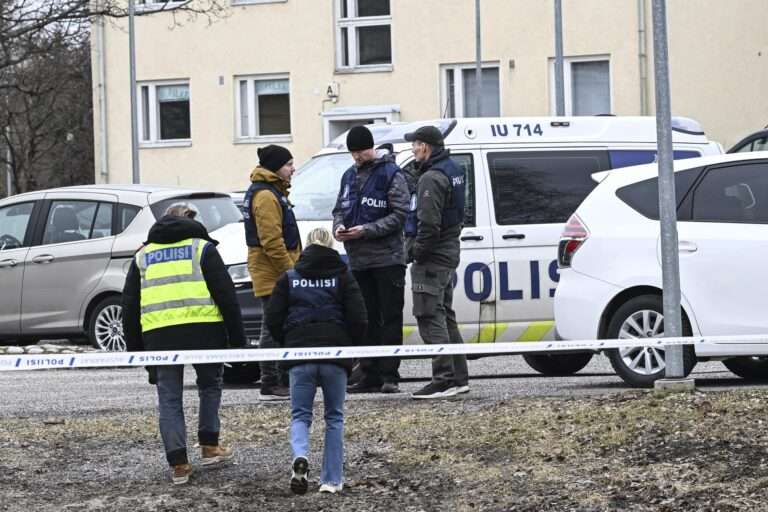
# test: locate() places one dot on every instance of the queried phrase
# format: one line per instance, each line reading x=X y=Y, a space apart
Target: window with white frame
x=159 y=4
x=459 y=83
x=263 y=106
x=363 y=34
x=586 y=84
x=164 y=112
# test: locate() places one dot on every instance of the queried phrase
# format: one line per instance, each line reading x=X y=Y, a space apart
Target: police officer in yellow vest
x=178 y=295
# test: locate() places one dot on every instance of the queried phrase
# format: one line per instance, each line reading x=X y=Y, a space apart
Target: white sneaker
x=460 y=390
x=330 y=488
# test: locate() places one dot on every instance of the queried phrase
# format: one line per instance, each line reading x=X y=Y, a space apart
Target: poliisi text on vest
x=314 y=283
x=374 y=203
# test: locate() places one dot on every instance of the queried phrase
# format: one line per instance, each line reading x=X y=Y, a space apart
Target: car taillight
x=574 y=235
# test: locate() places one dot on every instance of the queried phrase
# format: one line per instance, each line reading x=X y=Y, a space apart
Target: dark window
x=590 y=89
x=274 y=114
x=643 y=196
x=375 y=45
x=628 y=157
x=372 y=8
x=737 y=193
x=125 y=215
x=72 y=221
x=173 y=111
x=542 y=187
x=14 y=220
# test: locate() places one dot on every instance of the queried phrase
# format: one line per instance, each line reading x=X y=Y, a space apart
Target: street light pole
x=134 y=121
x=478 y=61
x=559 y=80
x=9 y=166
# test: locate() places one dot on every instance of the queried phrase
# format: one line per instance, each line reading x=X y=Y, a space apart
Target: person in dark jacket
x=178 y=295
x=432 y=232
x=317 y=304
x=369 y=216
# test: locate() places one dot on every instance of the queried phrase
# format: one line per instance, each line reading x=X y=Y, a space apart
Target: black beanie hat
x=273 y=157
x=359 y=138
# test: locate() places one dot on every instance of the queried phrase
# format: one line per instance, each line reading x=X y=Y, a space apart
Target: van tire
x=643 y=378
x=557 y=365
x=749 y=368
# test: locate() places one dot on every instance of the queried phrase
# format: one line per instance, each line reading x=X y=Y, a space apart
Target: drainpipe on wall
x=102 y=89
x=642 y=56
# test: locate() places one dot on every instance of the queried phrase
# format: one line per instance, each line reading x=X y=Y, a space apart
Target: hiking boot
x=436 y=390
x=273 y=393
x=390 y=387
x=180 y=473
x=331 y=488
x=300 y=471
x=215 y=454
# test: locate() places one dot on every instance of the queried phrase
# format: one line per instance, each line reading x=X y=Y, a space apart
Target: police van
x=524 y=178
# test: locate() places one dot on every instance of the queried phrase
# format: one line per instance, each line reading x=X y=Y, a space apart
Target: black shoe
x=436 y=390
x=390 y=387
x=273 y=393
x=300 y=471
x=363 y=387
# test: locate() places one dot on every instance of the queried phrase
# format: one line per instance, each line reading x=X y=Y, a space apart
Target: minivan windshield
x=315 y=186
x=213 y=211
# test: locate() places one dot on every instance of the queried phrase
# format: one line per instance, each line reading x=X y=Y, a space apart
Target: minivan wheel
x=642 y=317
x=557 y=365
x=749 y=368
x=105 y=328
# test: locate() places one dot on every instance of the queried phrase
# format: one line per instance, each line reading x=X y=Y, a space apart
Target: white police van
x=525 y=177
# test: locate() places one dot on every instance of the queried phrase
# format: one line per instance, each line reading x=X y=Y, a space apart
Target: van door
x=534 y=193
x=474 y=280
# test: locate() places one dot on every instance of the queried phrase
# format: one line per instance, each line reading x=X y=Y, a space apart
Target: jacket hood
x=171 y=229
x=317 y=261
x=267 y=176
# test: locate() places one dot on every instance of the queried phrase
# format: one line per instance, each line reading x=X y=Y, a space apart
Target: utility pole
x=478 y=61
x=134 y=121
x=559 y=80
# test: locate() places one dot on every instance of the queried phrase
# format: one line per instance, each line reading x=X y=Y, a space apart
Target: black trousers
x=383 y=289
x=272 y=374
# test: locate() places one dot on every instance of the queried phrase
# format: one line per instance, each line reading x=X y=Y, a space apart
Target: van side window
x=643 y=196
x=14 y=220
x=627 y=157
x=125 y=215
x=465 y=161
x=71 y=221
x=732 y=194
x=542 y=187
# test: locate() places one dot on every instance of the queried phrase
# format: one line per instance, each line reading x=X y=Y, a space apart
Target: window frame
x=153 y=111
x=238 y=3
x=568 y=82
x=458 y=100
x=159 y=5
x=47 y=212
x=253 y=121
x=351 y=24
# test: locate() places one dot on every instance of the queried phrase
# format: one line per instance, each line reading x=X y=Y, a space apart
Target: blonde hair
x=320 y=236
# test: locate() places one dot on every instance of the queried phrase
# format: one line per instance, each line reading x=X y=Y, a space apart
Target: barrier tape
x=163 y=358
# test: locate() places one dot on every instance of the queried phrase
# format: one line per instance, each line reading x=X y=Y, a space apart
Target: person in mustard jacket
x=274 y=245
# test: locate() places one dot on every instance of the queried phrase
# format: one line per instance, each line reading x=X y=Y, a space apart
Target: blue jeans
x=173 y=430
x=305 y=379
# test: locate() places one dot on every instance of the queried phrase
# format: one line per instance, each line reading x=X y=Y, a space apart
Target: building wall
x=718 y=56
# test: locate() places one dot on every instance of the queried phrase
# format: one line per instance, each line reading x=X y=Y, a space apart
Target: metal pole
x=642 y=56
x=559 y=80
x=134 y=120
x=478 y=61
x=670 y=261
x=8 y=165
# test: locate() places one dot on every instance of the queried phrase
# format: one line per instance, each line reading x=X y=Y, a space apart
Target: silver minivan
x=64 y=254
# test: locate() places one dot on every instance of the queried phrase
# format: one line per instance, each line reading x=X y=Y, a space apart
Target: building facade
x=300 y=72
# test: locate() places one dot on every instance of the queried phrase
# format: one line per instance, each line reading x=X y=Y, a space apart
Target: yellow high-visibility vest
x=173 y=289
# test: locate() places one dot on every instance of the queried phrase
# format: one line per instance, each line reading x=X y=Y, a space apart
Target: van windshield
x=315 y=186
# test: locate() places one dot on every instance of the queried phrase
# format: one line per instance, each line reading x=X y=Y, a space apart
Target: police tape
x=162 y=358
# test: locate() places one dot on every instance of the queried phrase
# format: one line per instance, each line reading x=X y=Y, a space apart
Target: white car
x=610 y=266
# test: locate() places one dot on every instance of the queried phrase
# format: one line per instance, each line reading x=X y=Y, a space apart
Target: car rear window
x=643 y=196
x=213 y=210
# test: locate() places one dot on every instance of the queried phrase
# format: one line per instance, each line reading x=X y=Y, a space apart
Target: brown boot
x=215 y=454
x=180 y=473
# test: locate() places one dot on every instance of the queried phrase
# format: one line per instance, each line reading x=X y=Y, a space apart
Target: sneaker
x=180 y=473
x=215 y=454
x=460 y=390
x=300 y=470
x=390 y=387
x=273 y=393
x=436 y=390
x=363 y=387
x=331 y=488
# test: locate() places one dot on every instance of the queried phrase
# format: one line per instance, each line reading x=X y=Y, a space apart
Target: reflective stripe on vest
x=173 y=289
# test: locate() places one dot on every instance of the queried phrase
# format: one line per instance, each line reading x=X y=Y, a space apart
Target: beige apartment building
x=300 y=72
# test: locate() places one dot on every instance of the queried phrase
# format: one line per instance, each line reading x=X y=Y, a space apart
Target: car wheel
x=105 y=327
x=749 y=368
x=242 y=373
x=557 y=365
x=642 y=317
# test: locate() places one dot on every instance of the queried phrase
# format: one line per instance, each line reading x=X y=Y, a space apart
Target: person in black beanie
x=273 y=245
x=369 y=218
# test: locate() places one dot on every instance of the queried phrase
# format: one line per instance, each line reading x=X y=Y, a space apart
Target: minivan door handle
x=43 y=258
x=684 y=246
x=476 y=238
x=8 y=263
x=515 y=236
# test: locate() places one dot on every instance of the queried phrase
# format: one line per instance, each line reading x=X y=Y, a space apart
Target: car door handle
x=43 y=258
x=476 y=238
x=687 y=247
x=8 y=263
x=516 y=236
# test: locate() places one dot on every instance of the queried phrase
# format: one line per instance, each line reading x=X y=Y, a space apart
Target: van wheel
x=242 y=373
x=557 y=365
x=642 y=317
x=105 y=327
x=749 y=368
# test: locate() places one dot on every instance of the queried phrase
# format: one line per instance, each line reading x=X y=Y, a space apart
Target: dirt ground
x=627 y=451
